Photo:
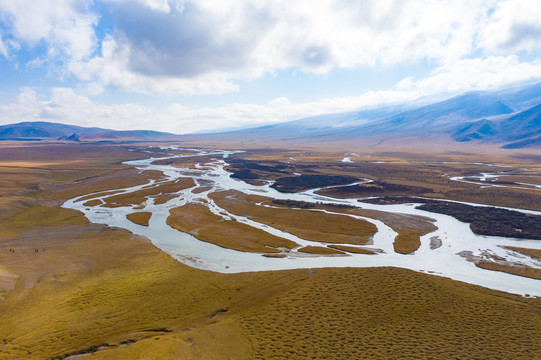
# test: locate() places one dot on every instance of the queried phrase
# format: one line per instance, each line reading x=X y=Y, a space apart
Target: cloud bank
x=66 y=106
x=208 y=46
x=187 y=48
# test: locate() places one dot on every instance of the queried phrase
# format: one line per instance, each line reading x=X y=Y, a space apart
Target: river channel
x=454 y=236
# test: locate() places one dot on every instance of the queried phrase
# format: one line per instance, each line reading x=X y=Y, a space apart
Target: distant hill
x=522 y=129
x=521 y=126
x=477 y=130
x=52 y=131
x=316 y=126
x=511 y=118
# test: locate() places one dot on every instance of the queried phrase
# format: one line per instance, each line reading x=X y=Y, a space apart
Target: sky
x=184 y=66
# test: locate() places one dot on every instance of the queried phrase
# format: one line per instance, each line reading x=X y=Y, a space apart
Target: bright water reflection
x=456 y=237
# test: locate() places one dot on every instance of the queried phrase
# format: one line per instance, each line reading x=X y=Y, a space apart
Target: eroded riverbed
x=447 y=251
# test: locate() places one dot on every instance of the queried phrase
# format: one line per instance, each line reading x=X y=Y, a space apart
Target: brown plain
x=139 y=196
x=94 y=289
x=199 y=221
x=525 y=271
x=410 y=228
x=352 y=249
x=535 y=253
x=309 y=225
x=140 y=218
x=320 y=250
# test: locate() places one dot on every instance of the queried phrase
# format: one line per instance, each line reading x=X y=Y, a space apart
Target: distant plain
x=74 y=287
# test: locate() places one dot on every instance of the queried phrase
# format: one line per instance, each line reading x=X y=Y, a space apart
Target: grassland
x=409 y=173
x=71 y=287
x=356 y=314
x=309 y=225
x=140 y=196
x=530 y=252
x=491 y=221
x=511 y=269
x=409 y=228
x=320 y=250
x=352 y=249
x=200 y=222
x=141 y=217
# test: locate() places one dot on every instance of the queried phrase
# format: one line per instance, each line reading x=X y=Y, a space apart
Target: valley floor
x=70 y=287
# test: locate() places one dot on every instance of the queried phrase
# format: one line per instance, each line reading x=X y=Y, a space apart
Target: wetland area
x=144 y=251
x=216 y=221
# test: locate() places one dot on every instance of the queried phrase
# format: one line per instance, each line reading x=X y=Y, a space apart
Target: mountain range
x=510 y=118
x=40 y=130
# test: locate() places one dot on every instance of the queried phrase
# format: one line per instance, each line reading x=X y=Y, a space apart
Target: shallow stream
x=455 y=236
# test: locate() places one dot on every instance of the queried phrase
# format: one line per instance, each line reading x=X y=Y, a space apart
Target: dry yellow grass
x=525 y=271
x=96 y=285
x=162 y=199
x=275 y=255
x=153 y=174
x=320 y=250
x=140 y=218
x=96 y=195
x=139 y=196
x=206 y=226
x=535 y=253
x=389 y=313
x=406 y=243
x=200 y=189
x=7 y=283
x=94 y=202
x=41 y=215
x=309 y=225
x=122 y=291
x=352 y=249
x=523 y=179
x=209 y=342
x=410 y=228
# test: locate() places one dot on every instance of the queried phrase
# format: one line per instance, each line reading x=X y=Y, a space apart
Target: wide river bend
x=455 y=236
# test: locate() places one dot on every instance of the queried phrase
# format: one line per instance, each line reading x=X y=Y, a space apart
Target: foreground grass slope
x=82 y=287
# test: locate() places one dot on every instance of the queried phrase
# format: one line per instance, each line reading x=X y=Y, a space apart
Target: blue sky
x=185 y=66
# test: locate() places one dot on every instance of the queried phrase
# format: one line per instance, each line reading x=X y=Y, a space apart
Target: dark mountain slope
x=522 y=129
x=498 y=117
x=486 y=116
x=42 y=129
x=476 y=131
x=315 y=126
x=524 y=97
x=525 y=124
x=442 y=116
x=53 y=131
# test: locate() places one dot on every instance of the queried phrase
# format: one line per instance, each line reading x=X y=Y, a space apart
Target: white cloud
x=3 y=48
x=514 y=25
x=112 y=68
x=205 y=46
x=474 y=74
x=66 y=106
x=64 y=26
